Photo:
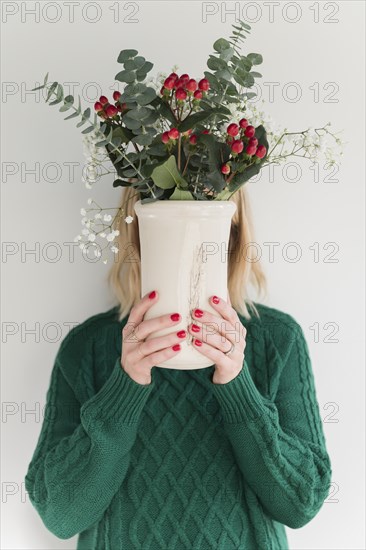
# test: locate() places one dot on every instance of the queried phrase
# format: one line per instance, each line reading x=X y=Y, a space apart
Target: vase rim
x=197 y=208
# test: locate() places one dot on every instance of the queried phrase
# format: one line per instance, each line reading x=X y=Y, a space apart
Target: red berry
x=250 y=149
x=198 y=94
x=173 y=75
x=180 y=93
x=253 y=141
x=243 y=123
x=249 y=131
x=191 y=85
x=237 y=146
x=173 y=133
x=233 y=129
x=165 y=137
x=193 y=139
x=179 y=83
x=206 y=131
x=111 y=111
x=204 y=84
x=116 y=95
x=261 y=151
x=98 y=106
x=184 y=77
x=103 y=100
x=169 y=83
x=225 y=169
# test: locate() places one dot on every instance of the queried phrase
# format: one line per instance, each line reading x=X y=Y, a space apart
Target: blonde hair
x=243 y=268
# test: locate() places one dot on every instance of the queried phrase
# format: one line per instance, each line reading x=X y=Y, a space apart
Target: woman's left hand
x=214 y=334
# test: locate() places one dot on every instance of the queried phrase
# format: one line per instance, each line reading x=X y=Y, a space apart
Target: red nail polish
x=181 y=334
x=175 y=317
x=198 y=342
x=198 y=312
x=195 y=328
x=176 y=347
x=152 y=295
x=215 y=299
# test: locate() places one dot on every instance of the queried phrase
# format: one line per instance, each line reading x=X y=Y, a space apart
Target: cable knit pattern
x=180 y=463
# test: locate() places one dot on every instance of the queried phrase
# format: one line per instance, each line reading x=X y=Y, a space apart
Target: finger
x=138 y=310
x=149 y=326
x=215 y=355
x=158 y=357
x=224 y=308
x=213 y=323
x=156 y=344
x=216 y=339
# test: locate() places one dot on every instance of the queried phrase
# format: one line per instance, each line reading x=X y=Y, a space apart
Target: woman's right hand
x=138 y=357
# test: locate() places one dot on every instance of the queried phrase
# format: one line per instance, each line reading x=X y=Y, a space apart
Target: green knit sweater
x=180 y=463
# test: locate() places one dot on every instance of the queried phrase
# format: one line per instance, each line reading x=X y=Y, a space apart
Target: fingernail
x=215 y=299
x=181 y=334
x=175 y=317
x=176 y=347
x=198 y=312
x=198 y=342
x=152 y=295
x=195 y=328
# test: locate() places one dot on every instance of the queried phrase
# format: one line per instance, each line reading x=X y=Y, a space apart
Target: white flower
x=90 y=200
x=77 y=238
x=85 y=231
x=116 y=232
x=107 y=217
x=102 y=234
x=110 y=237
x=82 y=211
x=82 y=246
x=91 y=237
x=84 y=220
x=114 y=249
x=98 y=216
x=129 y=219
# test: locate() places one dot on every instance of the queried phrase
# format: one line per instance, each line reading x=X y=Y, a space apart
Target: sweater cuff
x=119 y=401
x=239 y=399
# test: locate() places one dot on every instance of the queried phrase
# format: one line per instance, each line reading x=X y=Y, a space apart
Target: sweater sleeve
x=83 y=451
x=279 y=444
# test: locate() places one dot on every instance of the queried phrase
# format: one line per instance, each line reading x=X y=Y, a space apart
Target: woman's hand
x=138 y=356
x=214 y=334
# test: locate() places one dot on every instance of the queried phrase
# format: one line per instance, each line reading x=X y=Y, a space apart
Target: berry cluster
x=170 y=136
x=106 y=109
x=184 y=87
x=241 y=137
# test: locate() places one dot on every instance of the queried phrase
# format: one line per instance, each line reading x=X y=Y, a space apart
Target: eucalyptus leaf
x=139 y=113
x=255 y=58
x=126 y=54
x=51 y=89
x=139 y=62
x=87 y=130
x=221 y=44
x=142 y=139
x=126 y=76
x=131 y=123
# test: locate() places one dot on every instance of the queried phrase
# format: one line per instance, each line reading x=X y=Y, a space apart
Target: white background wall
x=323 y=49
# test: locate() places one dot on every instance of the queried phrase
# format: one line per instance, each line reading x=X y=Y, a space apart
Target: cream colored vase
x=184 y=256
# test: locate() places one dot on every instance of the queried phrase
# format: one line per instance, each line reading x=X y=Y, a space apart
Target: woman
x=131 y=457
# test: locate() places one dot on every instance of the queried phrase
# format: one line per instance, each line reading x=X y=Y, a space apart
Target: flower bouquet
x=185 y=145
